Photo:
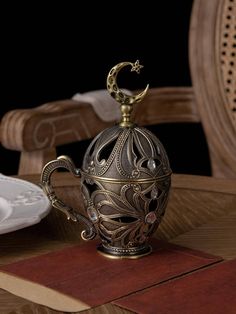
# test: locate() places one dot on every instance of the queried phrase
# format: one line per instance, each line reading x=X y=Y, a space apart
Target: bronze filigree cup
x=125 y=181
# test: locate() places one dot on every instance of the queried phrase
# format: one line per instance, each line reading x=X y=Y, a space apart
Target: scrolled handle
x=64 y=162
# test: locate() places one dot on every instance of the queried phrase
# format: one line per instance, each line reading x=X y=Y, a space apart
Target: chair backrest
x=212 y=53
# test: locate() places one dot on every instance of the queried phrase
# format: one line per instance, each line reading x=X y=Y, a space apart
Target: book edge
x=40 y=294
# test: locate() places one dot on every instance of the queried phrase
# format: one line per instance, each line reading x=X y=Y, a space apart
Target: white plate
x=22 y=204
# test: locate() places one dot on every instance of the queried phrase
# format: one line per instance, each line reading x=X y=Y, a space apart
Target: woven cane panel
x=228 y=55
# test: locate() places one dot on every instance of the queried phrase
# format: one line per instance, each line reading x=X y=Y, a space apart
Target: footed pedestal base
x=133 y=252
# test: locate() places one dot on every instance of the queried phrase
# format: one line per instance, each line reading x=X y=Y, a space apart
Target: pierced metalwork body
x=125 y=181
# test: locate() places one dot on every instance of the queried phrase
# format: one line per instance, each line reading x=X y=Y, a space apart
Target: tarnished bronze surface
x=126 y=101
x=125 y=180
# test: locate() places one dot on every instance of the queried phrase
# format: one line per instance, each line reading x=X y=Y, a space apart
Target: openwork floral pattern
x=125 y=184
x=126 y=219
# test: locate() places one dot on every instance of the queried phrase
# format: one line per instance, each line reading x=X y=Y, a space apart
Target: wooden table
x=201 y=214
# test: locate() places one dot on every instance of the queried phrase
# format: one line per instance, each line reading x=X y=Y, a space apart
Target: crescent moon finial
x=126 y=101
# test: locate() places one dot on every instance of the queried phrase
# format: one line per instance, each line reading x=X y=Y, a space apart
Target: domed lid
x=125 y=151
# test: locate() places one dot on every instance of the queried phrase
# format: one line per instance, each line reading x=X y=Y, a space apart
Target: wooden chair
x=211 y=101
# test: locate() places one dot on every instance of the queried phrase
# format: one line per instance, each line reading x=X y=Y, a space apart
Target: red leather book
x=206 y=291
x=78 y=277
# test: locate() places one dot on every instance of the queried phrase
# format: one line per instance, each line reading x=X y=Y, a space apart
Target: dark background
x=52 y=52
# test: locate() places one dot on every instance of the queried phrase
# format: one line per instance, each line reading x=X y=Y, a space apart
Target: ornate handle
x=64 y=162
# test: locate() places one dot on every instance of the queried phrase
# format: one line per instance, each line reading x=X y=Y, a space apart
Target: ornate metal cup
x=125 y=181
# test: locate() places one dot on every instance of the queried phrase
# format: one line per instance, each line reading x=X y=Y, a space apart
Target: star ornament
x=136 y=67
